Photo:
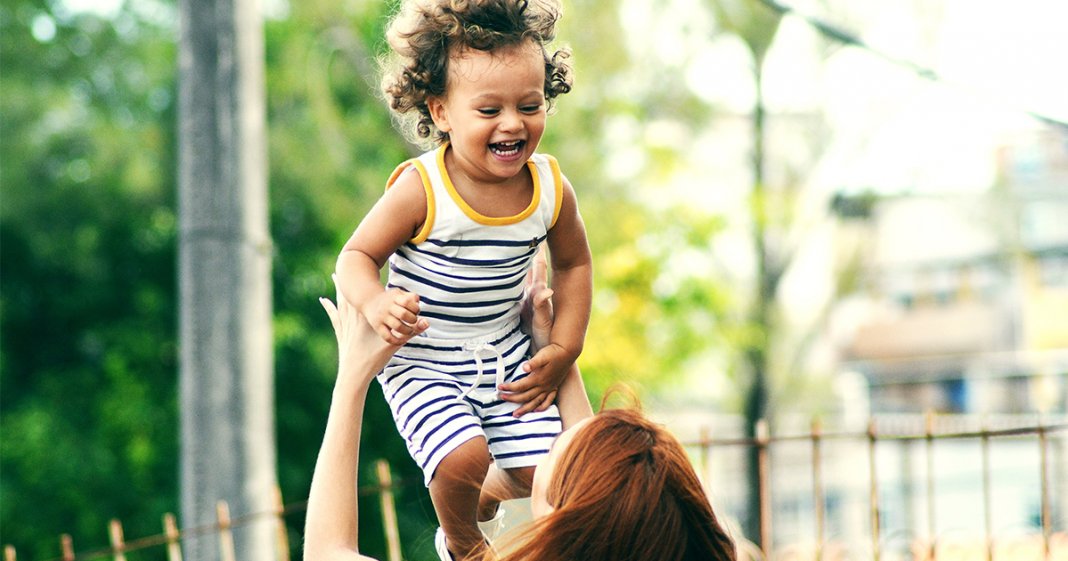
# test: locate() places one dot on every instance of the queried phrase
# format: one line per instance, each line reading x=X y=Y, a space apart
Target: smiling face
x=543 y=473
x=493 y=110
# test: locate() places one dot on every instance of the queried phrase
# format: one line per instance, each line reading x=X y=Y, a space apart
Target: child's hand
x=394 y=315
x=359 y=348
x=536 y=314
x=547 y=370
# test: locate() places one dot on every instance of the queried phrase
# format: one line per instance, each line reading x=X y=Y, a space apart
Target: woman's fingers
x=331 y=309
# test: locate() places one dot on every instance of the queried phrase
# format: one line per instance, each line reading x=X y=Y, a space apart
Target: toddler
x=460 y=227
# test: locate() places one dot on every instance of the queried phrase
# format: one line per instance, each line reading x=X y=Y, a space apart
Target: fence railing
x=171 y=537
x=928 y=548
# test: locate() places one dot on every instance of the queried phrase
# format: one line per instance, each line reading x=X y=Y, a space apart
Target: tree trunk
x=226 y=357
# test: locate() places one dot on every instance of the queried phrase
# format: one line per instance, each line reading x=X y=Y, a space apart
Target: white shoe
x=491 y=529
x=439 y=545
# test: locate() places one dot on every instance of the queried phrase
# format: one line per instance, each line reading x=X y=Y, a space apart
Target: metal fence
x=171 y=537
x=1050 y=544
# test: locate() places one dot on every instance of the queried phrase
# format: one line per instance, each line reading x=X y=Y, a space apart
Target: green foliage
x=88 y=384
x=87 y=394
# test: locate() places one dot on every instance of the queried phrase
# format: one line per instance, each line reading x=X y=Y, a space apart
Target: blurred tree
x=226 y=366
x=756 y=26
x=771 y=355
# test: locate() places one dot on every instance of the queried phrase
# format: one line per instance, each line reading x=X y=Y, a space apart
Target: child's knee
x=468 y=462
x=522 y=477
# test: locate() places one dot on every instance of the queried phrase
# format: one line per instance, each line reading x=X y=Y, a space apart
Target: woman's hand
x=536 y=392
x=331 y=523
x=361 y=351
x=536 y=313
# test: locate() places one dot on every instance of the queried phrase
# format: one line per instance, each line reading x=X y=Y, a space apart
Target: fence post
x=283 y=533
x=118 y=546
x=817 y=486
x=170 y=529
x=66 y=545
x=874 y=499
x=1043 y=447
x=706 y=454
x=9 y=553
x=763 y=437
x=931 y=525
x=988 y=525
x=226 y=536
x=389 y=510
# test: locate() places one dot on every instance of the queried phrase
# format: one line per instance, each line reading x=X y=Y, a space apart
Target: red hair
x=624 y=490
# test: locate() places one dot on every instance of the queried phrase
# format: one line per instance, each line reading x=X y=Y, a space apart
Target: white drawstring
x=475 y=347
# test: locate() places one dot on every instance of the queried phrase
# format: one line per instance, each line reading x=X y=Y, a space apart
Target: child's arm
x=394 y=219
x=572 y=284
x=571 y=398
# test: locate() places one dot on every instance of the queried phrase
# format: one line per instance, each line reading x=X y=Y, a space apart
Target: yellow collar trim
x=479 y=217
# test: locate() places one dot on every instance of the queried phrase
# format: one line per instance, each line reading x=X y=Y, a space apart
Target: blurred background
x=818 y=209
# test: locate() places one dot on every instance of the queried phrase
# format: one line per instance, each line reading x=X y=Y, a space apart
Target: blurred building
x=966 y=309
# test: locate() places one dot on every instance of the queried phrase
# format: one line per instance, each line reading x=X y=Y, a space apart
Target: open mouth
x=507 y=149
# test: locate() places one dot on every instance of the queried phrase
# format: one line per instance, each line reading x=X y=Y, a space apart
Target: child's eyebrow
x=484 y=97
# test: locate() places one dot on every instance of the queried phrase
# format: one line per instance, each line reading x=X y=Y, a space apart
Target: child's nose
x=511 y=121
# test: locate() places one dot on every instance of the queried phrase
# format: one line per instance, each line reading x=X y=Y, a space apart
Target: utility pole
x=226 y=348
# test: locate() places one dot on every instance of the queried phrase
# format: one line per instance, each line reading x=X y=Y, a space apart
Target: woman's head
x=426 y=34
x=617 y=486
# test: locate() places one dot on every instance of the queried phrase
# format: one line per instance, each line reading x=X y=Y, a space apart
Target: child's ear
x=438 y=114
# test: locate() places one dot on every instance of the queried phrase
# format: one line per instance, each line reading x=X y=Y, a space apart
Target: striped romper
x=469 y=271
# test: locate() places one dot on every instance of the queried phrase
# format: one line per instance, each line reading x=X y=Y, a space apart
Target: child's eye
x=489 y=111
x=530 y=108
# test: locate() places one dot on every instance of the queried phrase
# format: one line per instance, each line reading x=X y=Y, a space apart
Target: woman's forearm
x=331 y=525
x=332 y=521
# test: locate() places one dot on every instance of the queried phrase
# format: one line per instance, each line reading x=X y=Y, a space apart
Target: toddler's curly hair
x=424 y=33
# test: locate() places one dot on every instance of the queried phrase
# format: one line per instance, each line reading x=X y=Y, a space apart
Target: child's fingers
x=525 y=397
x=416 y=326
x=403 y=314
x=399 y=338
x=407 y=300
x=534 y=404
x=550 y=398
x=388 y=336
x=536 y=362
x=519 y=386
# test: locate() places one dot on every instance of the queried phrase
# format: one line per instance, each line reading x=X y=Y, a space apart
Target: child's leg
x=507 y=484
x=503 y=485
x=455 y=489
x=572 y=400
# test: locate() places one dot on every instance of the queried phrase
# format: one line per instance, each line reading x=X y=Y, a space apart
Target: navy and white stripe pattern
x=425 y=384
x=469 y=272
x=468 y=269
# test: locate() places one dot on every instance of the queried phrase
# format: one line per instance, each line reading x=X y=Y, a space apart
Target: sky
x=893 y=131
